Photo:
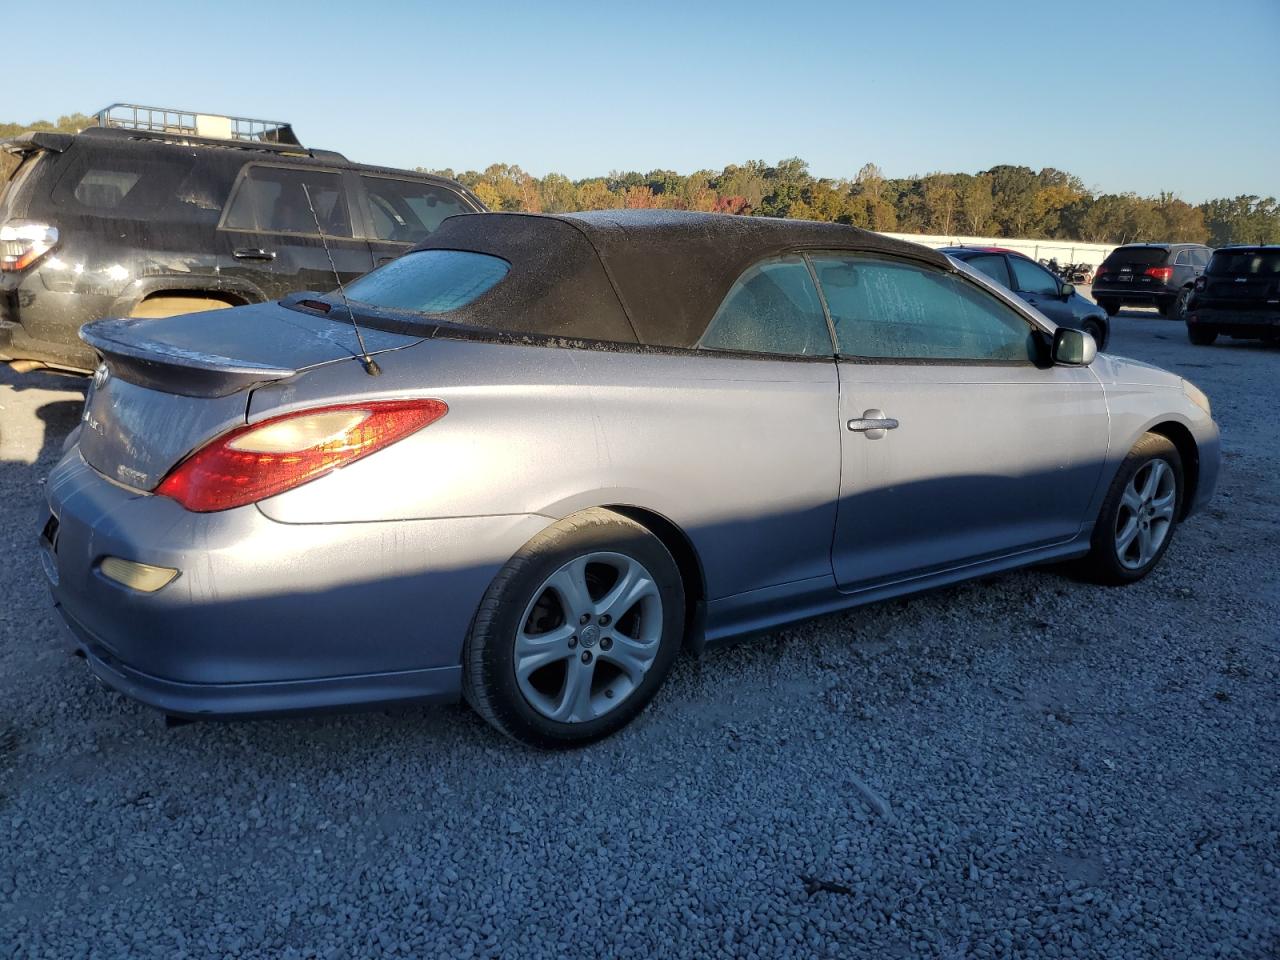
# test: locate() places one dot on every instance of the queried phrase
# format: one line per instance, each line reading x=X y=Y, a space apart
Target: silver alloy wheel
x=588 y=637
x=1145 y=516
x=1180 y=305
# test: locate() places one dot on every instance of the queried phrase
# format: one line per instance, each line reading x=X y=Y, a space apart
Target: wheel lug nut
x=606 y=620
x=573 y=642
x=609 y=694
x=584 y=618
x=586 y=656
x=606 y=643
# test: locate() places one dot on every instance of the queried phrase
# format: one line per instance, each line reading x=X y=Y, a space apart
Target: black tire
x=1168 y=307
x=1103 y=563
x=1096 y=329
x=489 y=681
x=1201 y=335
x=1112 y=307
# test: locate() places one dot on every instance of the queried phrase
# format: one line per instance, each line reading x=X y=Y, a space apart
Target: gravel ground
x=1023 y=767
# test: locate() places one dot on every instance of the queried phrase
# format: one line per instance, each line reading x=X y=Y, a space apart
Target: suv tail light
x=22 y=243
x=260 y=460
x=1163 y=274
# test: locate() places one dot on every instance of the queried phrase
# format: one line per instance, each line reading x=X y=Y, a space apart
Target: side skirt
x=746 y=615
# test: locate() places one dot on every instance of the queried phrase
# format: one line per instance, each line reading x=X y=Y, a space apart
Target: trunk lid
x=168 y=386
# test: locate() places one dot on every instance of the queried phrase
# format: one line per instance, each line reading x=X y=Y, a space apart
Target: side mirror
x=1073 y=348
x=1068 y=289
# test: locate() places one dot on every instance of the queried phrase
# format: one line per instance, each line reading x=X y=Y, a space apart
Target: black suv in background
x=155 y=212
x=1157 y=275
x=1239 y=295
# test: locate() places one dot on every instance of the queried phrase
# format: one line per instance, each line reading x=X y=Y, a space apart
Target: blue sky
x=1122 y=94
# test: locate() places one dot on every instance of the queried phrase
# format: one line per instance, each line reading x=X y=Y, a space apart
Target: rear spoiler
x=37 y=140
x=136 y=358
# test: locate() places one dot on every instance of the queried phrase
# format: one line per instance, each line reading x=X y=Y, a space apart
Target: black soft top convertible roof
x=653 y=277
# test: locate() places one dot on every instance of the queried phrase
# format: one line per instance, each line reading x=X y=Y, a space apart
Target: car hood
x=1121 y=370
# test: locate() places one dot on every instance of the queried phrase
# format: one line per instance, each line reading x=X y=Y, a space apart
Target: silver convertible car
x=530 y=461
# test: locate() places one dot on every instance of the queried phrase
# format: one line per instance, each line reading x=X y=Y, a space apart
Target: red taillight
x=263 y=459
x=1163 y=274
x=22 y=243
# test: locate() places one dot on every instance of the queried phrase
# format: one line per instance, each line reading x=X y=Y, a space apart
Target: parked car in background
x=160 y=212
x=1239 y=296
x=1054 y=297
x=1159 y=275
x=594 y=439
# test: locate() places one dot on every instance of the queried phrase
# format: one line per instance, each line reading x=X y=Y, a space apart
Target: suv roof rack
x=210 y=126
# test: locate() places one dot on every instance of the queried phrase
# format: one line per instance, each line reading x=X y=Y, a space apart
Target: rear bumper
x=243 y=700
x=1236 y=323
x=267 y=617
x=1124 y=293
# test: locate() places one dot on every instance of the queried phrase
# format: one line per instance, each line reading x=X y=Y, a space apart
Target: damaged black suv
x=155 y=212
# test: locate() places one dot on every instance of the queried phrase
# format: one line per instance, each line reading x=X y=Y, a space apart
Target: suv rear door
x=270 y=234
x=402 y=211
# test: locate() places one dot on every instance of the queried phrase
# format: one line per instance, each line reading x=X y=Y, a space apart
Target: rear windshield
x=1245 y=263
x=429 y=281
x=1142 y=256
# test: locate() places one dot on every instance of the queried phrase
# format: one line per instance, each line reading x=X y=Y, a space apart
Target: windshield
x=429 y=281
x=1142 y=256
x=1245 y=263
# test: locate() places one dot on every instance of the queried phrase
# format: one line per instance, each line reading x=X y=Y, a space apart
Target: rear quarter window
x=129 y=183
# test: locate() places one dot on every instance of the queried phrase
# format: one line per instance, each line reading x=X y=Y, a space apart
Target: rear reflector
x=1163 y=274
x=263 y=459
x=142 y=577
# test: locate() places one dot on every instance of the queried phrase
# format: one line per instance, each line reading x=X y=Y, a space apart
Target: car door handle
x=873 y=423
x=253 y=253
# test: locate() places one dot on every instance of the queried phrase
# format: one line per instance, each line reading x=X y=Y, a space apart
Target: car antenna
x=370 y=365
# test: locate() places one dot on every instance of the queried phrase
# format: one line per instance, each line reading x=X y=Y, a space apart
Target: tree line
x=1005 y=201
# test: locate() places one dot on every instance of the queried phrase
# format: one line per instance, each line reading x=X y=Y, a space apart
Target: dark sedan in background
x=1053 y=297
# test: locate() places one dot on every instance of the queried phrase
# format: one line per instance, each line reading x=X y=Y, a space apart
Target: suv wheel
x=1112 y=307
x=1168 y=307
x=1139 y=514
x=576 y=633
x=1180 y=303
x=1201 y=335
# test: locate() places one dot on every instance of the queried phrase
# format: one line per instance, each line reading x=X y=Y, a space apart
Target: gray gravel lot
x=1022 y=767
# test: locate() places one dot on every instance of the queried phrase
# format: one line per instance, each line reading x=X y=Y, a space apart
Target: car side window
x=1183 y=259
x=1033 y=278
x=993 y=265
x=892 y=310
x=772 y=308
x=1201 y=257
x=275 y=200
x=408 y=211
